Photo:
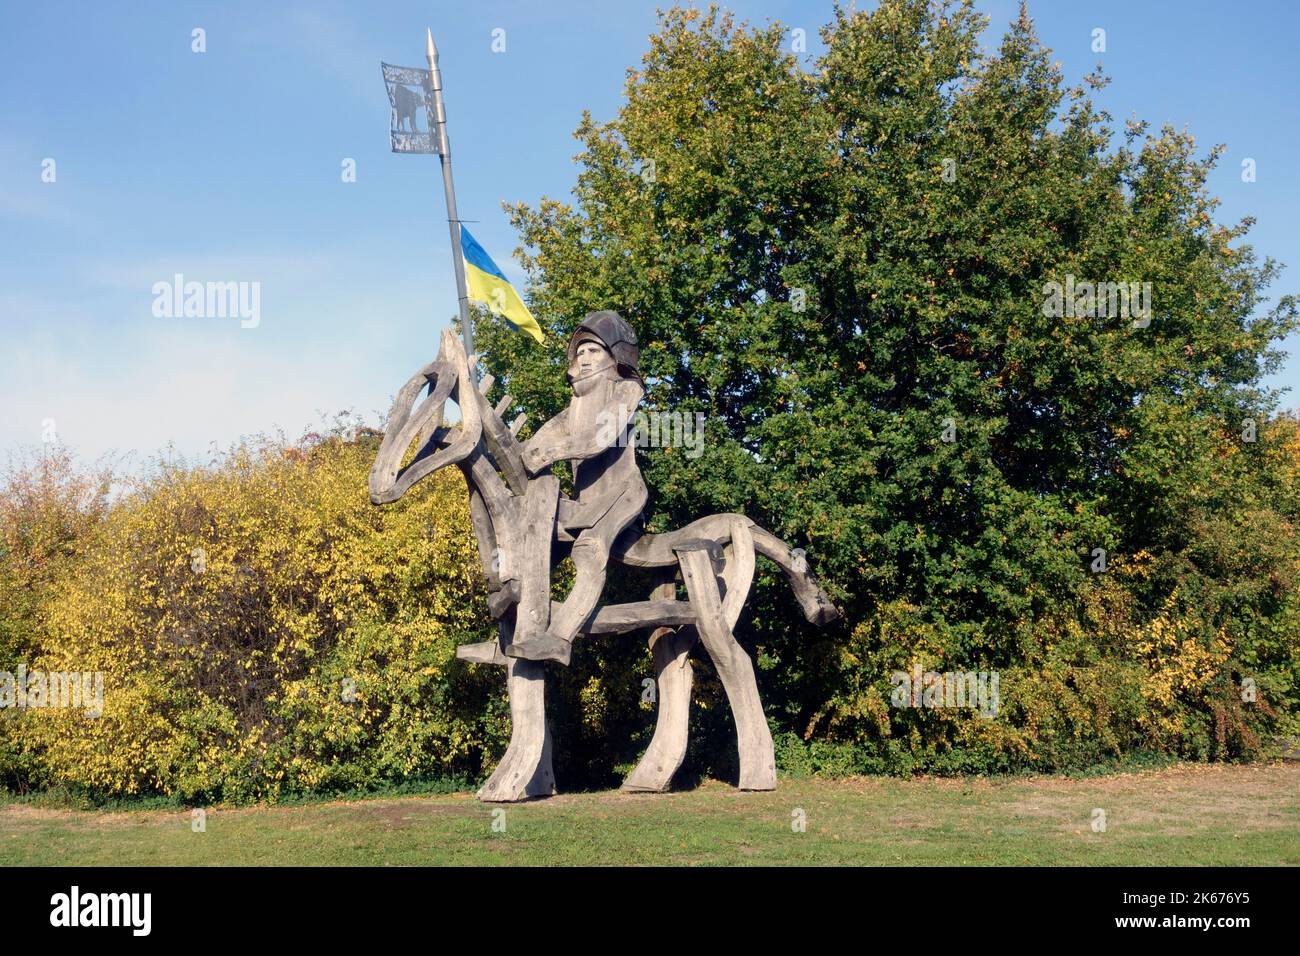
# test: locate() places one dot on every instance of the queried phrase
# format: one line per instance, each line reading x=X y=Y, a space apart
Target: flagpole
x=453 y=220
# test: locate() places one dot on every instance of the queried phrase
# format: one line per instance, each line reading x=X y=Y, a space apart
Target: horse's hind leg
x=674 y=678
x=735 y=669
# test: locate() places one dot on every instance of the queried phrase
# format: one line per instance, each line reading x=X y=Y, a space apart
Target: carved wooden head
x=610 y=330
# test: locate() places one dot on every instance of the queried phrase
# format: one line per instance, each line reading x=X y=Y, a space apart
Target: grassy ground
x=1186 y=815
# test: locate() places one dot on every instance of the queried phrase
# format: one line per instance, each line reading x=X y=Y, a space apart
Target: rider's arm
x=574 y=441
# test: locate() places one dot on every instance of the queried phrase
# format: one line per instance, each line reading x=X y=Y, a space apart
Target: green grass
x=1185 y=815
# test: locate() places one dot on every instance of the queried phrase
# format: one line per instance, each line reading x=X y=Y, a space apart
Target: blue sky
x=225 y=166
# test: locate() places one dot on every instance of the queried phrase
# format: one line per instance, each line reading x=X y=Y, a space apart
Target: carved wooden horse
x=714 y=554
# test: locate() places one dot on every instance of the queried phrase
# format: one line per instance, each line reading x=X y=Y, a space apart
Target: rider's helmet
x=610 y=330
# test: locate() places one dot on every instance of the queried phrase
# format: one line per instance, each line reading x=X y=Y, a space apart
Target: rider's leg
x=590 y=553
x=532 y=555
x=590 y=557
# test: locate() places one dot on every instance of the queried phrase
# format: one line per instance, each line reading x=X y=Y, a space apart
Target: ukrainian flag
x=486 y=284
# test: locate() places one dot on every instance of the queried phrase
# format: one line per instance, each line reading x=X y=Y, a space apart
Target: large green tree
x=842 y=264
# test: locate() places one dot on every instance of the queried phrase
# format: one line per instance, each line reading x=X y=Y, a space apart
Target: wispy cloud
x=172 y=387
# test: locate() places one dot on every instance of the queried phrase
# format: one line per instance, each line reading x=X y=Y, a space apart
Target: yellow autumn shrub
x=1180 y=661
x=263 y=629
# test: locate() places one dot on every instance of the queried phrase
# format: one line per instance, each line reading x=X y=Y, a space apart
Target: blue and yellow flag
x=485 y=283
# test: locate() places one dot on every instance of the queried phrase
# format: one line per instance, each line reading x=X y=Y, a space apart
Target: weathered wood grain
x=673 y=678
x=525 y=769
x=735 y=670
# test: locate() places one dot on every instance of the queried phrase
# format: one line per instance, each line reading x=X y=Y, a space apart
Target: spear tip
x=430 y=50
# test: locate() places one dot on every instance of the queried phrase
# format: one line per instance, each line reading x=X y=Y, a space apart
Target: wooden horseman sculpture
x=524 y=526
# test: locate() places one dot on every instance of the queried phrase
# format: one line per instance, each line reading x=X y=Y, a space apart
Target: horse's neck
x=482 y=479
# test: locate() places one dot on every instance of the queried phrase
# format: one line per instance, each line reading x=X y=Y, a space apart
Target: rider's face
x=590 y=358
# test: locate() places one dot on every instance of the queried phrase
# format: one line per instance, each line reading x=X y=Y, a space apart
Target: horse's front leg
x=525 y=768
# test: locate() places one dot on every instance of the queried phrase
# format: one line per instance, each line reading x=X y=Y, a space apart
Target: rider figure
x=594 y=434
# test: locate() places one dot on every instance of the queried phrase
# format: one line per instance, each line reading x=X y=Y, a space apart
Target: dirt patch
x=20 y=813
x=1179 y=800
x=1228 y=778
x=1266 y=794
